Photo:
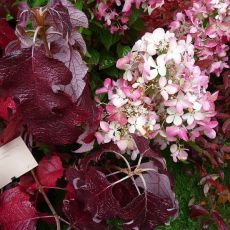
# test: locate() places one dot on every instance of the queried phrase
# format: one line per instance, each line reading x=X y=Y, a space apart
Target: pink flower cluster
x=208 y=22
x=115 y=13
x=162 y=96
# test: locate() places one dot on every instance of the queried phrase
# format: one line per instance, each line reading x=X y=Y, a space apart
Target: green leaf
x=94 y=57
x=122 y=50
x=133 y=17
x=112 y=72
x=79 y=4
x=205 y=22
x=108 y=39
x=138 y=25
x=106 y=61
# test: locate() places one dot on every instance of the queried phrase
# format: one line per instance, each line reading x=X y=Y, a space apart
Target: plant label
x=15 y=160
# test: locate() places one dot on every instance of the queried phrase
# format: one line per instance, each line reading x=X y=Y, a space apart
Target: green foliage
x=122 y=50
x=108 y=39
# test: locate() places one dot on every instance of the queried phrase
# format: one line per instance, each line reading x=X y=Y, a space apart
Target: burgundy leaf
x=197 y=210
x=74 y=62
x=59 y=17
x=150 y=203
x=79 y=218
x=226 y=127
x=6 y=34
x=51 y=117
x=7 y=106
x=146 y=211
x=77 y=40
x=144 y=148
x=95 y=115
x=12 y=129
x=77 y=17
x=49 y=170
x=226 y=78
x=221 y=225
x=96 y=156
x=16 y=211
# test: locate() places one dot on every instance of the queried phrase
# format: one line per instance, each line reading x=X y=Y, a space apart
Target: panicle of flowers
x=162 y=96
x=115 y=13
x=208 y=22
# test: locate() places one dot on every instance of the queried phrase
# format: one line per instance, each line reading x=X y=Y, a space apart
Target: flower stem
x=42 y=191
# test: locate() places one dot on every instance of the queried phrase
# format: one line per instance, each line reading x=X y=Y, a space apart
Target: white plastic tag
x=15 y=160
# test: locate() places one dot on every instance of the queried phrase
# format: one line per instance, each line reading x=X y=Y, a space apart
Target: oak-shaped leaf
x=17 y=211
x=97 y=180
x=51 y=116
x=49 y=170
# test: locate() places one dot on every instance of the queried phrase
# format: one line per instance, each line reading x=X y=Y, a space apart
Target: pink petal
x=171 y=89
x=101 y=90
x=183 y=134
x=107 y=83
x=99 y=137
x=165 y=95
x=170 y=102
x=122 y=61
x=119 y=117
x=162 y=82
x=104 y=126
x=172 y=131
x=122 y=145
x=111 y=109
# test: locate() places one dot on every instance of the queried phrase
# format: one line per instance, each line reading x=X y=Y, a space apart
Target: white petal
x=190 y=119
x=165 y=95
x=170 y=119
x=199 y=116
x=173 y=148
x=128 y=75
x=151 y=62
x=177 y=120
x=158 y=35
x=162 y=70
x=153 y=74
x=197 y=106
x=132 y=129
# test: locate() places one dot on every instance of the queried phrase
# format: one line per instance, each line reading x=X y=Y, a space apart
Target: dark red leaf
x=144 y=148
x=12 y=129
x=95 y=115
x=49 y=170
x=50 y=116
x=16 y=211
x=150 y=203
x=221 y=225
x=79 y=218
x=6 y=34
x=226 y=77
x=197 y=210
x=7 y=107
